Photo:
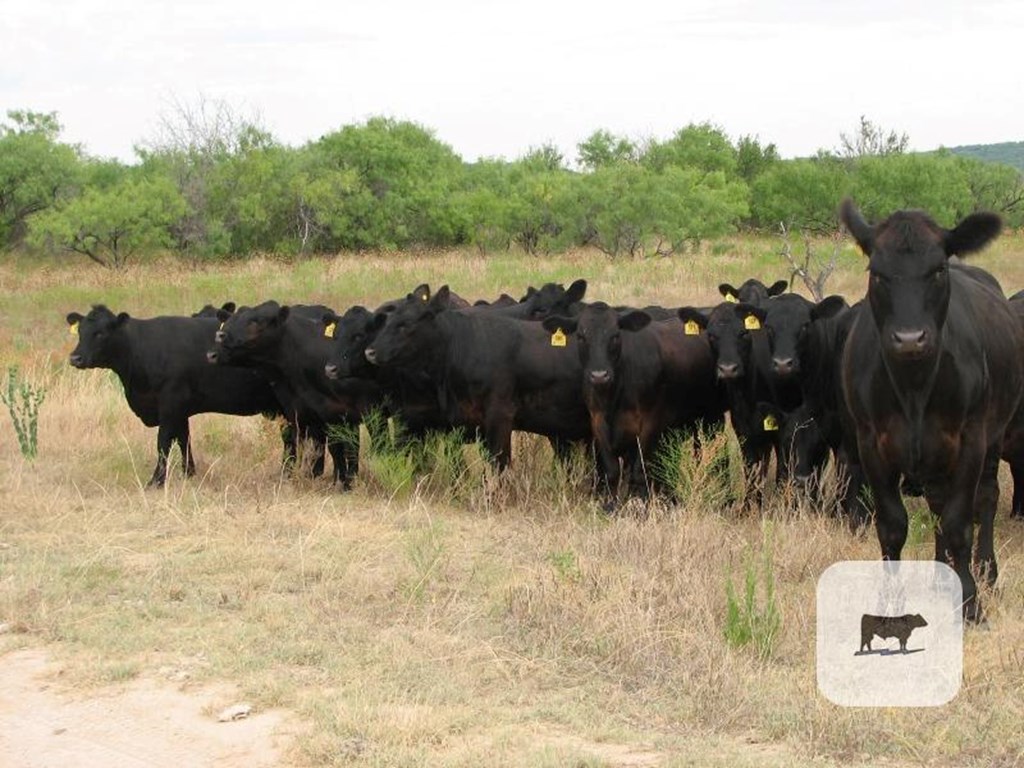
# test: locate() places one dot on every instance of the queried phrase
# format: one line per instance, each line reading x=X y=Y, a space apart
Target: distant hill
x=1007 y=152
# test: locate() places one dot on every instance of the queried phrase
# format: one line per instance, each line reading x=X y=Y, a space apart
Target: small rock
x=234 y=712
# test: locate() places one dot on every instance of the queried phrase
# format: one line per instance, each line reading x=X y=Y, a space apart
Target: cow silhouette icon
x=885 y=627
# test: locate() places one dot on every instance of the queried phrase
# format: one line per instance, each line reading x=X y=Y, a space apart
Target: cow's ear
x=634 y=321
x=223 y=315
x=728 y=292
x=420 y=292
x=554 y=323
x=753 y=317
x=576 y=291
x=530 y=291
x=282 y=314
x=74 y=318
x=862 y=232
x=330 y=317
x=120 y=319
x=830 y=306
x=693 y=315
x=972 y=234
x=227 y=306
x=440 y=300
x=778 y=287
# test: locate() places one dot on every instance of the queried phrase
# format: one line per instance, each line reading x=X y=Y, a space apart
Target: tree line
x=214 y=185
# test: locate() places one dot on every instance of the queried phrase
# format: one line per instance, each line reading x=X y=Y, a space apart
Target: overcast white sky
x=495 y=78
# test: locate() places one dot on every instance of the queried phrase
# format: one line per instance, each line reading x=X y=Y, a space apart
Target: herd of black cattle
x=918 y=385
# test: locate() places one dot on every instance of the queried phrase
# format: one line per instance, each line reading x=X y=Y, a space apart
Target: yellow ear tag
x=329 y=330
x=691 y=328
x=558 y=338
x=751 y=323
x=73 y=328
x=731 y=298
x=770 y=424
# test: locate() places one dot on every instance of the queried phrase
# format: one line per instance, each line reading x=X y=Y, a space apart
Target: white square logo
x=890 y=633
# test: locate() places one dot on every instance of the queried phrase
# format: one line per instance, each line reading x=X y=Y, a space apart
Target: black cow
x=752 y=291
x=289 y=346
x=490 y=373
x=932 y=375
x=731 y=330
x=211 y=311
x=899 y=627
x=162 y=364
x=639 y=379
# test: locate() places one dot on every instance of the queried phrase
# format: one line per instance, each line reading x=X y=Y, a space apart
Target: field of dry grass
x=509 y=624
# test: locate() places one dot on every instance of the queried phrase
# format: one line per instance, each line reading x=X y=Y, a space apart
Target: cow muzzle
x=212 y=356
x=728 y=370
x=911 y=343
x=331 y=371
x=219 y=337
x=77 y=361
x=784 y=366
x=371 y=355
x=601 y=377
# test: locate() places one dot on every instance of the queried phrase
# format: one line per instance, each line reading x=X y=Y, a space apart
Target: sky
x=494 y=79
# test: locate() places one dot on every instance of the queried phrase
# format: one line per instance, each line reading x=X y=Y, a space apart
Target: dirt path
x=143 y=723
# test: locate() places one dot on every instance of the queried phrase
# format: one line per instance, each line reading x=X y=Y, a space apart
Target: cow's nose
x=331 y=371
x=728 y=370
x=913 y=340
x=600 y=377
x=75 y=360
x=783 y=365
x=219 y=337
x=211 y=356
x=371 y=355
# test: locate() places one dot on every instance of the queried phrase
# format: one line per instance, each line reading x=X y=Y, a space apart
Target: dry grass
x=508 y=624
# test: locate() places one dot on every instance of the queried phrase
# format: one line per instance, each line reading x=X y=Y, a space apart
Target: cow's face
x=599 y=330
x=802 y=441
x=752 y=291
x=729 y=328
x=553 y=299
x=98 y=334
x=909 y=284
x=917 y=620
x=405 y=333
x=787 y=324
x=353 y=333
x=248 y=333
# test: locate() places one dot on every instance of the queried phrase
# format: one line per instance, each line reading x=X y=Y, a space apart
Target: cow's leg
x=756 y=455
x=498 y=434
x=890 y=514
x=171 y=430
x=955 y=510
x=609 y=471
x=985 y=505
x=1017 y=473
x=184 y=443
x=290 y=444
x=855 y=496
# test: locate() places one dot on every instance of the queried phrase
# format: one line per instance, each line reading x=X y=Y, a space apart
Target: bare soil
x=145 y=722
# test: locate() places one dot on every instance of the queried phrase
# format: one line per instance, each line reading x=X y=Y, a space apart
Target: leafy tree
x=799 y=194
x=36 y=170
x=701 y=146
x=110 y=226
x=752 y=159
x=995 y=187
x=398 y=181
x=937 y=184
x=602 y=148
x=541 y=201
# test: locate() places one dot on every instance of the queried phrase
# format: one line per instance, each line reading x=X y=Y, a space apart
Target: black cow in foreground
x=899 y=627
x=490 y=373
x=639 y=379
x=162 y=364
x=289 y=347
x=932 y=375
